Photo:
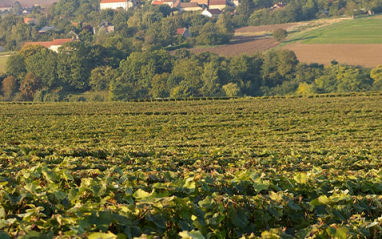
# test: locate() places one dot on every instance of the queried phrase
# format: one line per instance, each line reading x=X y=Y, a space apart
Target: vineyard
x=242 y=168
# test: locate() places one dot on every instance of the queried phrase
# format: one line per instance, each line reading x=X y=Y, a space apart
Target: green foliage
x=157 y=169
x=280 y=34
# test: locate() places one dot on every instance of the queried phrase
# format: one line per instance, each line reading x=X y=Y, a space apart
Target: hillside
x=28 y=3
x=352 y=42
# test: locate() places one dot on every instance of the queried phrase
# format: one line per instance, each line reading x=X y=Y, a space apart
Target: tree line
x=36 y=73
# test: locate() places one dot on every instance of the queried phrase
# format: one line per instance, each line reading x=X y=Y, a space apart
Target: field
x=245 y=168
x=248 y=40
x=366 y=55
x=365 y=30
x=3 y=60
x=352 y=42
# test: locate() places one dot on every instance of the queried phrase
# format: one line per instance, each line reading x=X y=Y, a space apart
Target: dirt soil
x=248 y=40
x=366 y=55
x=241 y=45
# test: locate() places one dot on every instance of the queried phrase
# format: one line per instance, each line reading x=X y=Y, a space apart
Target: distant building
x=189 y=7
x=51 y=45
x=106 y=27
x=184 y=32
x=278 y=5
x=116 y=4
x=201 y=2
x=217 y=4
x=30 y=20
x=5 y=8
x=170 y=3
x=211 y=13
x=47 y=29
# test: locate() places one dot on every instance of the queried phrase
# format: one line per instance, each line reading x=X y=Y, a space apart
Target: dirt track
x=366 y=55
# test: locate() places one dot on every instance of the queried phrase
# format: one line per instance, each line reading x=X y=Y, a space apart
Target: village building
x=184 y=32
x=201 y=2
x=105 y=28
x=211 y=13
x=47 y=29
x=51 y=45
x=30 y=20
x=5 y=8
x=116 y=4
x=170 y=3
x=278 y=5
x=217 y=4
x=189 y=6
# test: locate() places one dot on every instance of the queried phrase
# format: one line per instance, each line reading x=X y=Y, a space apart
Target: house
x=217 y=4
x=51 y=45
x=278 y=5
x=116 y=4
x=106 y=27
x=211 y=13
x=47 y=29
x=201 y=2
x=184 y=32
x=189 y=7
x=30 y=20
x=170 y=3
x=5 y=8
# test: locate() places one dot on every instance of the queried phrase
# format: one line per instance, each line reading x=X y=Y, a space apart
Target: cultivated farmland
x=245 y=168
x=353 y=42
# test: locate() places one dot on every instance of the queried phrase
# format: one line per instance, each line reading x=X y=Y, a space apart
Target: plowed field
x=366 y=55
x=241 y=45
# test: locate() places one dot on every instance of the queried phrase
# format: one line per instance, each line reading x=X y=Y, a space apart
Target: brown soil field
x=367 y=55
x=240 y=45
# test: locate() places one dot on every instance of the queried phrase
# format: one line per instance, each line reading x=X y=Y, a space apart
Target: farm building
x=211 y=13
x=189 y=6
x=170 y=3
x=51 y=45
x=183 y=32
x=116 y=4
x=217 y=4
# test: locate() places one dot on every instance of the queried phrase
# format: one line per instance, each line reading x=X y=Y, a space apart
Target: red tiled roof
x=188 y=4
x=112 y=1
x=217 y=2
x=28 y=19
x=48 y=44
x=157 y=3
x=180 y=31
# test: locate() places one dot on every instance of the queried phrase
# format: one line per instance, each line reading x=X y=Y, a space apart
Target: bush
x=280 y=34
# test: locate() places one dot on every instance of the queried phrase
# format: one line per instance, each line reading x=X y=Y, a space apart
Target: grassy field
x=3 y=60
x=244 y=168
x=365 y=30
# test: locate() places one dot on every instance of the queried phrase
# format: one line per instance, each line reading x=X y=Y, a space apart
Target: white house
x=116 y=4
